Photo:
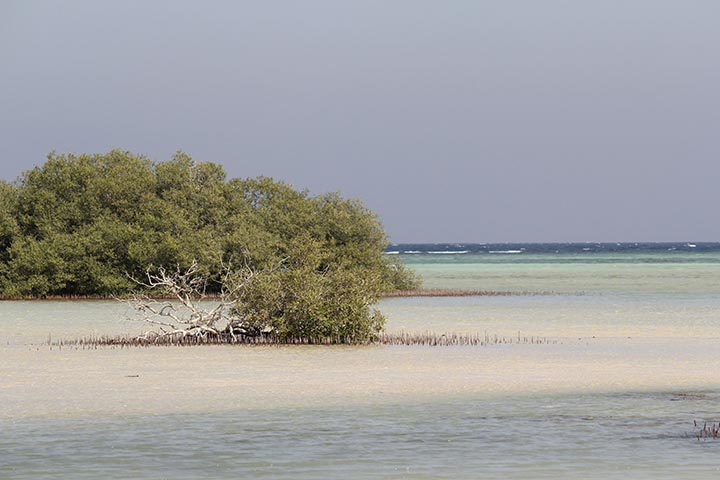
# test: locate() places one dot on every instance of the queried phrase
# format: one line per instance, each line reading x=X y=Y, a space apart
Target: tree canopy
x=87 y=224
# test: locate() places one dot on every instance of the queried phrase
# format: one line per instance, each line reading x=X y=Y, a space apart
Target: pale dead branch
x=177 y=302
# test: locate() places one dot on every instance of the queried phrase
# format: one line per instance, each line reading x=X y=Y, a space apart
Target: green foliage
x=8 y=222
x=85 y=224
x=307 y=295
x=396 y=276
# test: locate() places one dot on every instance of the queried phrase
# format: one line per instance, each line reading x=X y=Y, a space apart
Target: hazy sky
x=456 y=121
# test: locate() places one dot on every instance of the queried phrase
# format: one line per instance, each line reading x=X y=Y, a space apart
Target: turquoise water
x=629 y=366
x=629 y=272
x=606 y=436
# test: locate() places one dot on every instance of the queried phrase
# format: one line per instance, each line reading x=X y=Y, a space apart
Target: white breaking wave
x=505 y=251
x=392 y=253
x=448 y=252
x=412 y=251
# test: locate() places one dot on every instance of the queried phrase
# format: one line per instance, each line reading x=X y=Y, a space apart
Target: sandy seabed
x=52 y=382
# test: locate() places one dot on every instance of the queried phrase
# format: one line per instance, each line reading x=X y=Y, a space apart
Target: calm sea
x=626 y=366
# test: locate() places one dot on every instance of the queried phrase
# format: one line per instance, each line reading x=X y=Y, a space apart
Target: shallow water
x=606 y=436
x=661 y=273
x=629 y=364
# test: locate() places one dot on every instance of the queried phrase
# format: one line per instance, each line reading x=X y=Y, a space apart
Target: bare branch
x=186 y=312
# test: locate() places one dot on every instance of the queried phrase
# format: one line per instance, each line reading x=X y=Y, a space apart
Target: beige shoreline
x=51 y=382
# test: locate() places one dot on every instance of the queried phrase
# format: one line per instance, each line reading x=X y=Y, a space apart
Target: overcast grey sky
x=459 y=121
